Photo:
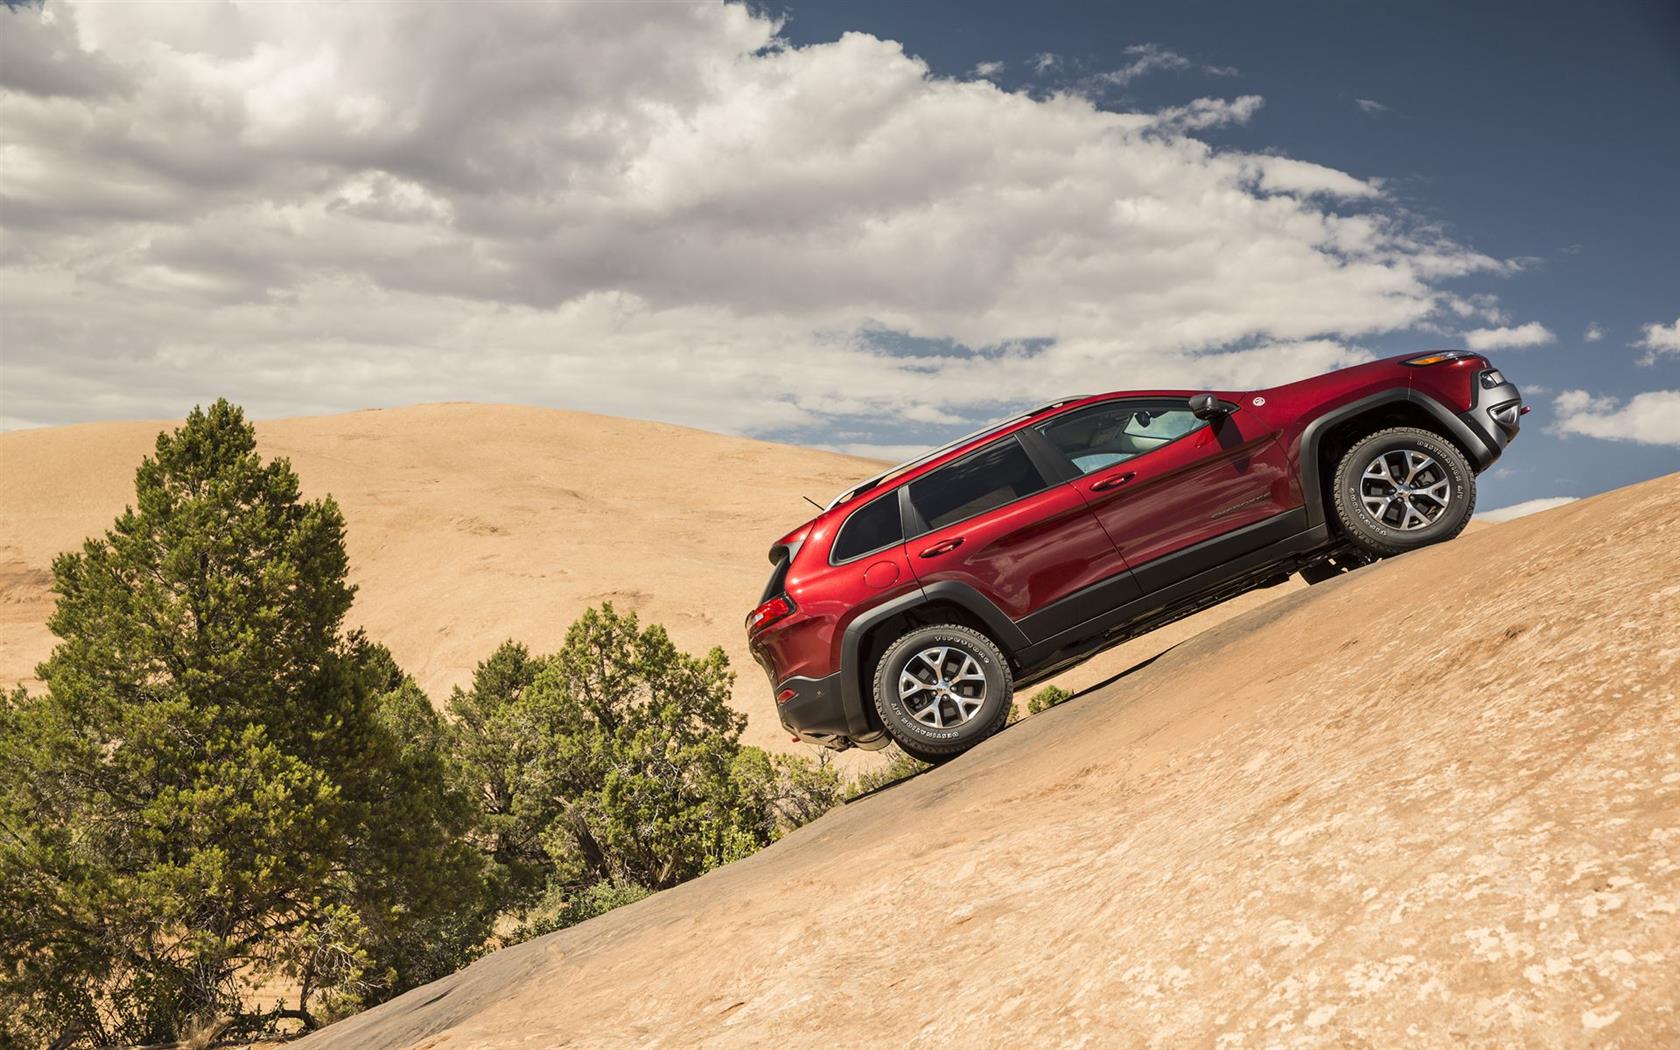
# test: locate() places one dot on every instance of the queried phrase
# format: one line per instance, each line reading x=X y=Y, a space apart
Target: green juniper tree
x=219 y=783
x=494 y=742
x=614 y=767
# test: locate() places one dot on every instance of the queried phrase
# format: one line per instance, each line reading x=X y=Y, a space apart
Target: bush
x=558 y=908
x=784 y=792
x=616 y=762
x=1048 y=697
x=219 y=784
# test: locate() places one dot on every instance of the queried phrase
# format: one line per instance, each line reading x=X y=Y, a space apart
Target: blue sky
x=1548 y=132
x=865 y=226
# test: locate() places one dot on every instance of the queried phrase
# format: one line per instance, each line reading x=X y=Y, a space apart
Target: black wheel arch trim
x=1001 y=628
x=1481 y=454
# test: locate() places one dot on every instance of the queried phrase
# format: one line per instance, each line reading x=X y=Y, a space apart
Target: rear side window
x=975 y=484
x=870 y=528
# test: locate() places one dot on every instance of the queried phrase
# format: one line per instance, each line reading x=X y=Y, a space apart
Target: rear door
x=1177 y=495
x=994 y=521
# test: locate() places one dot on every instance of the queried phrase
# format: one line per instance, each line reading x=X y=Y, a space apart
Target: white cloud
x=1531 y=334
x=1659 y=339
x=1209 y=113
x=658 y=210
x=1370 y=105
x=1593 y=333
x=1146 y=59
x=1286 y=175
x=1525 y=508
x=1045 y=61
x=1651 y=418
x=986 y=70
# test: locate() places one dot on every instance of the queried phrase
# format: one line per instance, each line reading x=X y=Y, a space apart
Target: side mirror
x=1210 y=408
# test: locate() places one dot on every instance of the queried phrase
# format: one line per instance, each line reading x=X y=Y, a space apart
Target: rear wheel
x=1401 y=489
x=940 y=690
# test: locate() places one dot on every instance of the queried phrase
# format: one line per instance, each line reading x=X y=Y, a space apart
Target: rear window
x=870 y=528
x=975 y=484
x=781 y=557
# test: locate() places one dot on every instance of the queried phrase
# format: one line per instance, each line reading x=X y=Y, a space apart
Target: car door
x=1176 y=494
x=993 y=521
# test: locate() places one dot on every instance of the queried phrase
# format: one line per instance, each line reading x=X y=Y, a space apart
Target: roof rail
x=1018 y=417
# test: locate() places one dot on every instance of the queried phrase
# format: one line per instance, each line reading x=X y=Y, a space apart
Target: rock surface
x=1435 y=802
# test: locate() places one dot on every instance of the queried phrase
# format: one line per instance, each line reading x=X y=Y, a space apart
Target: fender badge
x=1259 y=401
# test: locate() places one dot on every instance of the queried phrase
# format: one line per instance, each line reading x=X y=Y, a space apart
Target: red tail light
x=769 y=612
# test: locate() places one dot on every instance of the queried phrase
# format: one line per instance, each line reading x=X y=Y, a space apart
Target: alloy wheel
x=1405 y=489
x=942 y=687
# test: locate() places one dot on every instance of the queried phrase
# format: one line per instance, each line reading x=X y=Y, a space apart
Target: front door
x=1176 y=494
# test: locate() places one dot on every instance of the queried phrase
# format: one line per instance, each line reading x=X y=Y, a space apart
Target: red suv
x=912 y=607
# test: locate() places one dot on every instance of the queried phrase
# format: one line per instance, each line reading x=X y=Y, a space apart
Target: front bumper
x=1495 y=415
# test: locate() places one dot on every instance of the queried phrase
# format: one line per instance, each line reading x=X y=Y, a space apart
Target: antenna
x=812 y=502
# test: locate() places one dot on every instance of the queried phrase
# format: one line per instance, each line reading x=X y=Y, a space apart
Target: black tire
x=1397 y=529
x=918 y=738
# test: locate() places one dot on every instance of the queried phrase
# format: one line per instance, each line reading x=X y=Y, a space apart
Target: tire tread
x=1352 y=522
x=939 y=752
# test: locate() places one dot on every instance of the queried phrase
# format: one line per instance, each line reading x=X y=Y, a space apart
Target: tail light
x=769 y=612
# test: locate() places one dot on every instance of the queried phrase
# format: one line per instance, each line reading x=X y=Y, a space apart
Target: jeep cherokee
x=914 y=605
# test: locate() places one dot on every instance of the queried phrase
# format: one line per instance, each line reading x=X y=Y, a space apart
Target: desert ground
x=1435 y=802
x=471 y=524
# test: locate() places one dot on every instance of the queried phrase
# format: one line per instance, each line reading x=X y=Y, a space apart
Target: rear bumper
x=814 y=711
x=1495 y=415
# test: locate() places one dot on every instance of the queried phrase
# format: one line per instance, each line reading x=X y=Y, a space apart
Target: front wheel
x=940 y=690
x=1401 y=489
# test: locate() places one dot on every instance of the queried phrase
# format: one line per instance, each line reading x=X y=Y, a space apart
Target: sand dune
x=1433 y=803
x=470 y=524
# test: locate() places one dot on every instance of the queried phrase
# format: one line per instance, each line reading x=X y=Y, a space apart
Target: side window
x=1103 y=435
x=871 y=527
x=975 y=484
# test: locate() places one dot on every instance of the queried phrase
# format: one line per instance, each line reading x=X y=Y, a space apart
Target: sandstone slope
x=1435 y=802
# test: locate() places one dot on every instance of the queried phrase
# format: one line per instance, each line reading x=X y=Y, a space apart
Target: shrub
x=559 y=908
x=616 y=762
x=1048 y=697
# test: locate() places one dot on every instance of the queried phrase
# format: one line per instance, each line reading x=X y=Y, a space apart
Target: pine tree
x=219 y=782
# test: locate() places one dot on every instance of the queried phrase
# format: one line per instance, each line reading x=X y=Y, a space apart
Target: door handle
x=1113 y=483
x=942 y=548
